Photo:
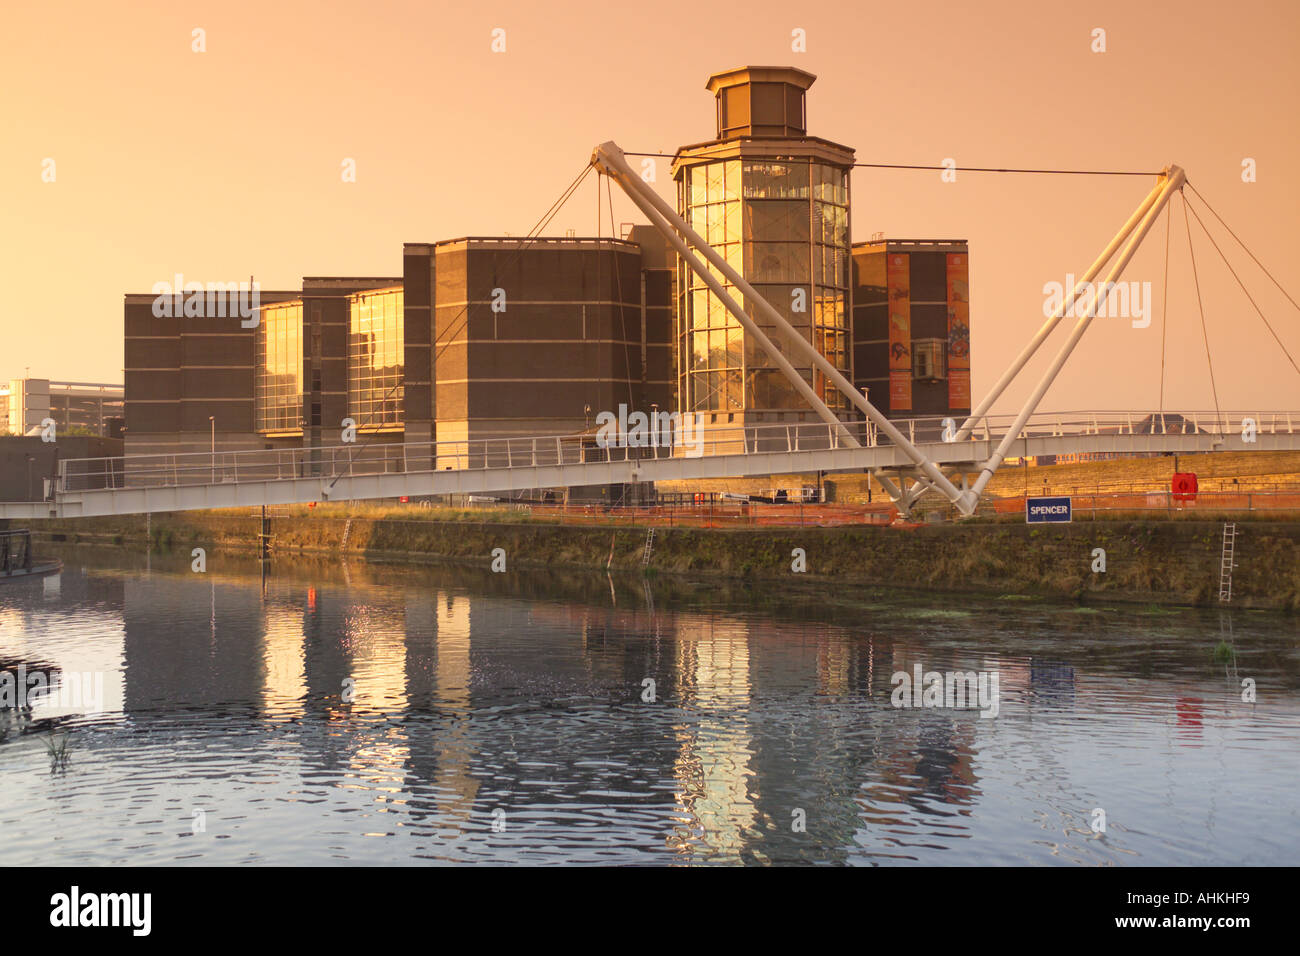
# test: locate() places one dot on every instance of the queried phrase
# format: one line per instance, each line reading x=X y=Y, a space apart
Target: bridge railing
x=1071 y=423
x=685 y=440
x=361 y=458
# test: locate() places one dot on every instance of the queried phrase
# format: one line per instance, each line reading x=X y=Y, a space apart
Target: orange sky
x=226 y=163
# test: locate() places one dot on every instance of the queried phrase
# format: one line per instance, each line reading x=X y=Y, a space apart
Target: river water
x=318 y=712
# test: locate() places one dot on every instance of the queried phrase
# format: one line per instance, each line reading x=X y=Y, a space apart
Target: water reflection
x=380 y=715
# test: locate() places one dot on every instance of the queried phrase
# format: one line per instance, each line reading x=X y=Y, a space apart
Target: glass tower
x=774 y=202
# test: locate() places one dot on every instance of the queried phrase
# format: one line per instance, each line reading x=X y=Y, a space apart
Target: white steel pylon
x=609 y=159
x=1134 y=231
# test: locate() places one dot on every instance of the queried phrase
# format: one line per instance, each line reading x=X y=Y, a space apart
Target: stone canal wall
x=1161 y=562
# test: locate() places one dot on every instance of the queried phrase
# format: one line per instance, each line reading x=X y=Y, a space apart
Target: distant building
x=88 y=408
x=29 y=465
x=189 y=380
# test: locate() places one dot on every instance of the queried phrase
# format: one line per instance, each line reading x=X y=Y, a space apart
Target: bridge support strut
x=609 y=159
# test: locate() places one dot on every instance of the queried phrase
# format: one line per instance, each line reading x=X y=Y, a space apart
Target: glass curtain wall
x=711 y=347
x=784 y=227
x=375 y=359
x=278 y=398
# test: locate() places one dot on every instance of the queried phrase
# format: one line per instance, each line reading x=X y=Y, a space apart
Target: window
x=375 y=358
x=929 y=360
x=278 y=396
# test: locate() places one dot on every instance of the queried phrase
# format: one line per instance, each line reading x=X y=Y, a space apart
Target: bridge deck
x=136 y=484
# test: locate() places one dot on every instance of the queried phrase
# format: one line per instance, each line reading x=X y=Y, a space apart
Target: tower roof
x=761 y=101
x=760 y=74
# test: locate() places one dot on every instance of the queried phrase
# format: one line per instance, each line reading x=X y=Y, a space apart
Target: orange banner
x=958 y=331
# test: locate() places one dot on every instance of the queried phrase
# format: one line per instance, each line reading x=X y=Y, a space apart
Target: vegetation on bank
x=1145 y=561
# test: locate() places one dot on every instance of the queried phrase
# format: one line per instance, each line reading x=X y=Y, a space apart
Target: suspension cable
x=1200 y=304
x=1244 y=246
x=1251 y=298
x=622 y=311
x=1164 y=316
x=533 y=235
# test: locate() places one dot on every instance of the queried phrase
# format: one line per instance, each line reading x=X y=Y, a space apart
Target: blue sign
x=1047 y=510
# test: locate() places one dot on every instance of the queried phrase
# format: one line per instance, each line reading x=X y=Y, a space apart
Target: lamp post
x=212 y=420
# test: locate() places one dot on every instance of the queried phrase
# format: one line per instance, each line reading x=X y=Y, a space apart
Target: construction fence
x=1154 y=503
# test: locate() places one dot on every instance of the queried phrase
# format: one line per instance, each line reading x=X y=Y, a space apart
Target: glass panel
x=717 y=348
x=781 y=298
x=718 y=314
x=735 y=346
x=733 y=395
x=776 y=221
x=733 y=221
x=717 y=227
x=769 y=388
x=700 y=309
x=699 y=391
x=699 y=185
x=700 y=350
x=829 y=310
x=776 y=180
x=733 y=178
x=830 y=184
x=830 y=224
x=778 y=262
x=716 y=190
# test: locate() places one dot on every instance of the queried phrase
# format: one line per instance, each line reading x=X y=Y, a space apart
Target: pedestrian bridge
x=361 y=471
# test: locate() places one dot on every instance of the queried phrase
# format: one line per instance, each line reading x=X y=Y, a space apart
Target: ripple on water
x=419 y=720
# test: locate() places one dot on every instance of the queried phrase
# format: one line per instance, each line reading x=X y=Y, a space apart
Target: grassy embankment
x=1148 y=559
x=1150 y=562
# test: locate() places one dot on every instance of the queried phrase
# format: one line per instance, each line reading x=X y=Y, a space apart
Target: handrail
x=328 y=462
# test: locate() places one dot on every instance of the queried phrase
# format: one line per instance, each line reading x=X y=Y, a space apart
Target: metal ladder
x=649 y=546
x=1226 y=563
x=347 y=532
